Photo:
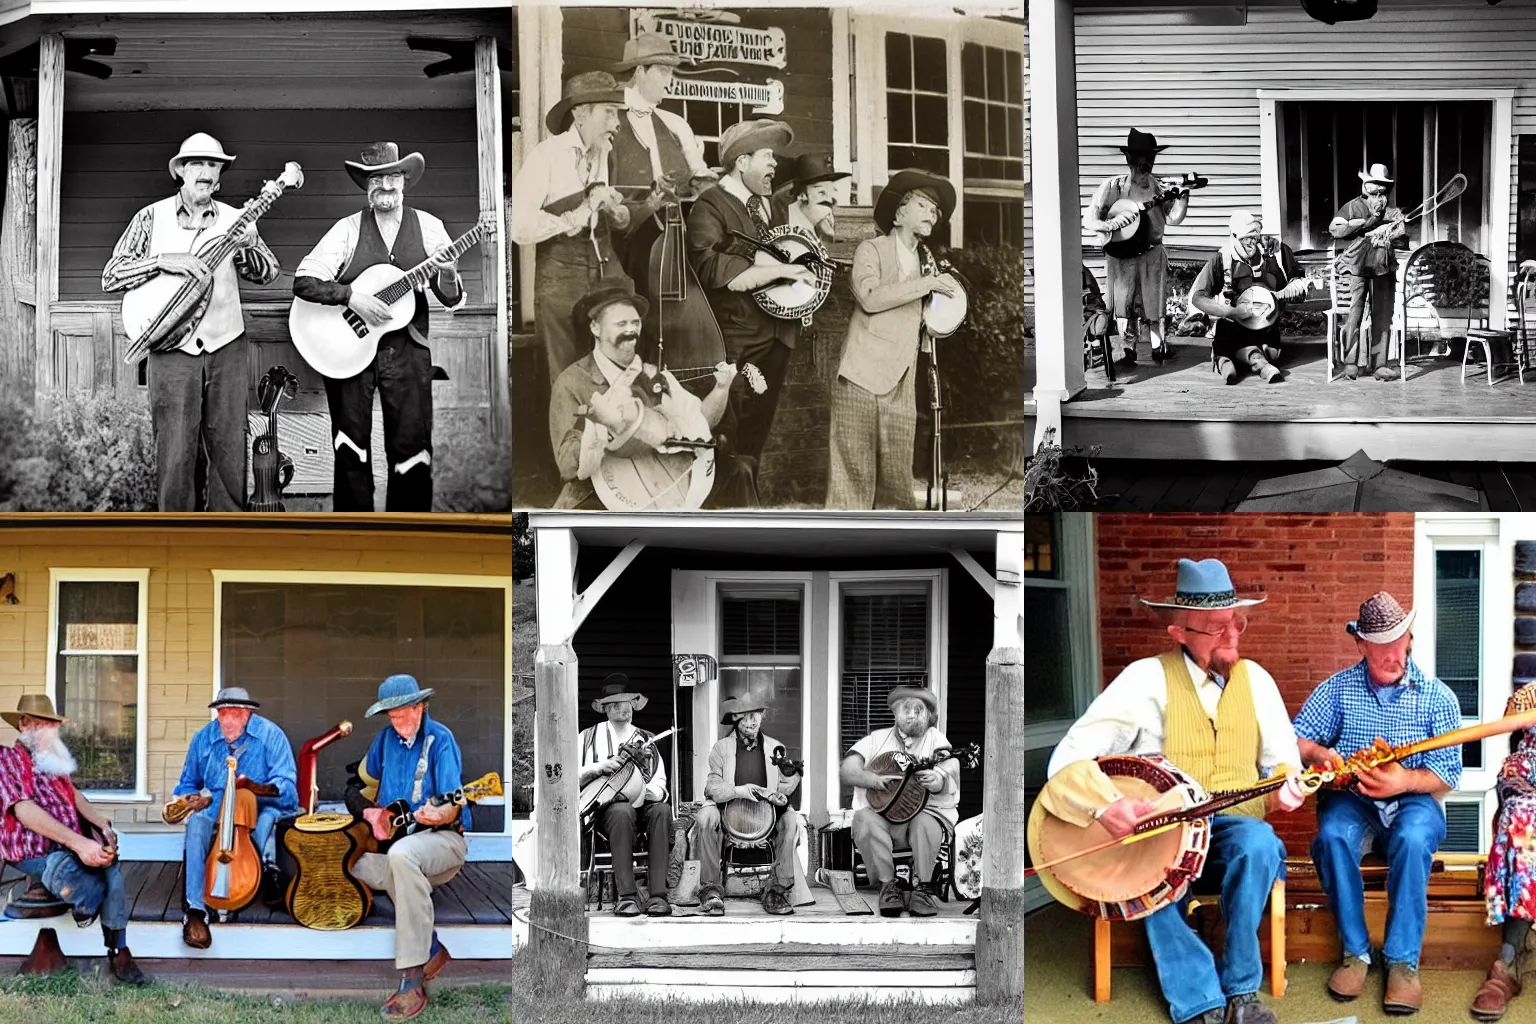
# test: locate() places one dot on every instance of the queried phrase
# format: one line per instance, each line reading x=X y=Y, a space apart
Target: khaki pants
x=409 y=872
x=876 y=838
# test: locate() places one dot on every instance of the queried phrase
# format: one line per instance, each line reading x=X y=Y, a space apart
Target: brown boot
x=194 y=931
x=1348 y=979
x=1405 y=993
x=1493 y=998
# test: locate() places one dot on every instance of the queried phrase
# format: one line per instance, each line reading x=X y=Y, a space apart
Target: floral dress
x=1509 y=880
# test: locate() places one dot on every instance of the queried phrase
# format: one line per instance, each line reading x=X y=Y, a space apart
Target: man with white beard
x=43 y=831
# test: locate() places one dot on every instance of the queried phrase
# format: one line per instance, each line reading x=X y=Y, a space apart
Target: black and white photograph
x=768 y=258
x=254 y=257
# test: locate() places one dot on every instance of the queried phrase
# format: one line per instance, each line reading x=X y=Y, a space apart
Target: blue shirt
x=393 y=763
x=1347 y=713
x=262 y=754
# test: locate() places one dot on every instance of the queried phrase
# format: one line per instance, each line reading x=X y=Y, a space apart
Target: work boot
x=1385 y=373
x=194 y=930
x=125 y=969
x=921 y=903
x=272 y=887
x=1225 y=370
x=893 y=901
x=1498 y=989
x=437 y=961
x=1271 y=373
x=1348 y=979
x=1216 y=1016
x=1271 y=352
x=1405 y=993
x=1246 y=1009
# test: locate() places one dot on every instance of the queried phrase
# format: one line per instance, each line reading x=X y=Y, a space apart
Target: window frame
x=140 y=576
x=389 y=579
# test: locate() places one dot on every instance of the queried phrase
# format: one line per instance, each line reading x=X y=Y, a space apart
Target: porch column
x=50 y=147
x=557 y=935
x=1058 y=220
x=1000 y=931
x=18 y=260
x=493 y=251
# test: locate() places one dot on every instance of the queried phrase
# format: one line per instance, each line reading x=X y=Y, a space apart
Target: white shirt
x=945 y=802
x=557 y=167
x=641 y=114
x=1130 y=717
x=606 y=741
x=332 y=253
x=911 y=266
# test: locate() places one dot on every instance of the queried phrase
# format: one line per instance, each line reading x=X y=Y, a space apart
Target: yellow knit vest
x=1220 y=757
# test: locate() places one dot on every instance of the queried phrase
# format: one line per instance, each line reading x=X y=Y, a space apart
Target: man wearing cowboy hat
x=726 y=269
x=263 y=755
x=405 y=236
x=914 y=731
x=811 y=195
x=52 y=833
x=874 y=401
x=608 y=400
x=413 y=760
x=563 y=206
x=1241 y=337
x=1385 y=694
x=741 y=768
x=1146 y=274
x=600 y=748
x=1372 y=270
x=1220 y=719
x=197 y=392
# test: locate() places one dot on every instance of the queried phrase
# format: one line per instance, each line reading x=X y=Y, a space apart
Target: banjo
x=943 y=314
x=791 y=300
x=750 y=821
x=1135 y=237
x=904 y=796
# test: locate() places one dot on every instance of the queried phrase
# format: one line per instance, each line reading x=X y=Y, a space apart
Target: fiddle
x=234 y=865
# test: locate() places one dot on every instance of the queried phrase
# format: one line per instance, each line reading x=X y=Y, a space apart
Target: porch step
x=769 y=986
x=790 y=956
x=680 y=932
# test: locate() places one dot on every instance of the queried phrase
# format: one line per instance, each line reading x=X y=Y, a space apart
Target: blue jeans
x=1248 y=857
x=1346 y=822
x=204 y=825
x=85 y=888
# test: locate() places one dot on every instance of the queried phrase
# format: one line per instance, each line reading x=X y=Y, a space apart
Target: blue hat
x=399 y=692
x=1205 y=584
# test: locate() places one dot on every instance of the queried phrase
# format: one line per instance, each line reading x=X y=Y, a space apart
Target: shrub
x=471 y=472
x=91 y=453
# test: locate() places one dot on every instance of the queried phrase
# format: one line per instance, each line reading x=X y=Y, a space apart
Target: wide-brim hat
x=600 y=298
x=1377 y=175
x=35 y=705
x=1523 y=699
x=616 y=689
x=1205 y=585
x=809 y=168
x=911 y=180
x=648 y=48
x=733 y=706
x=385 y=158
x=1382 y=620
x=587 y=87
x=922 y=693
x=751 y=136
x=234 y=697
x=399 y=692
x=1138 y=141
x=200 y=145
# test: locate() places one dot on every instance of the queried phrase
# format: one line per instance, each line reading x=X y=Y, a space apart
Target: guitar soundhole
x=358 y=324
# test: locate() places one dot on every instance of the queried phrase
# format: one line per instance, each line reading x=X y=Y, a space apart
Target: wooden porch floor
x=824 y=909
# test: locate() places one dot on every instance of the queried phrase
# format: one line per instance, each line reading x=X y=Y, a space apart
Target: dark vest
x=1231 y=336
x=629 y=162
x=409 y=251
x=751 y=765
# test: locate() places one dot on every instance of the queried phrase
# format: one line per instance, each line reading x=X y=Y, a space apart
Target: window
x=1050 y=693
x=884 y=645
x=992 y=81
x=760 y=656
x=708 y=119
x=98 y=650
x=916 y=103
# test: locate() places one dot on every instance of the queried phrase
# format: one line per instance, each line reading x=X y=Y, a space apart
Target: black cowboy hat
x=1137 y=141
x=603 y=295
x=906 y=181
x=809 y=168
x=385 y=158
x=616 y=689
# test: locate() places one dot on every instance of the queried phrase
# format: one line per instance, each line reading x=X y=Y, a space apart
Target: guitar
x=159 y=314
x=337 y=341
x=902 y=798
x=271 y=470
x=1134 y=238
x=626 y=781
x=401 y=820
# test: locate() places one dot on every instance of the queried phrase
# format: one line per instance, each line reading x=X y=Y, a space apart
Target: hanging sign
x=693 y=669
x=767 y=98
x=702 y=41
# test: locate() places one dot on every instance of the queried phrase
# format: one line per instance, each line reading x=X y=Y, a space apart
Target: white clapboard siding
x=1196 y=87
x=1029 y=219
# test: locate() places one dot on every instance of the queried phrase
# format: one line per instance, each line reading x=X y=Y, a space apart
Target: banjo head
x=1257 y=308
x=943 y=314
x=655 y=482
x=1124 y=206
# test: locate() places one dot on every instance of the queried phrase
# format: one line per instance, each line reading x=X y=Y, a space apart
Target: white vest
x=223 y=321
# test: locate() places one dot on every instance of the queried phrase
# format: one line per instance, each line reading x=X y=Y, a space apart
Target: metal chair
x=1440 y=289
x=1517 y=337
x=943 y=865
x=598 y=865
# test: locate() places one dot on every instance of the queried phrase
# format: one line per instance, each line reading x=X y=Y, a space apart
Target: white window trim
x=1500 y=196
x=58 y=575
x=1076 y=548
x=938 y=656
x=387 y=579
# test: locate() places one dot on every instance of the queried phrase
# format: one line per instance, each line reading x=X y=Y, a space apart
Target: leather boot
x=1348 y=979
x=1226 y=370
x=437 y=961
x=893 y=899
x=194 y=931
x=409 y=999
x=1498 y=989
x=1405 y=992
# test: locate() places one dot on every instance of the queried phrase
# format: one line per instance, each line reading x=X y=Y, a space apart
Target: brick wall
x=1315 y=571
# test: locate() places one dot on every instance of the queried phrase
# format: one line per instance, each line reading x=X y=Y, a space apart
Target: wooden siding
x=1029 y=203
x=179 y=666
x=1195 y=86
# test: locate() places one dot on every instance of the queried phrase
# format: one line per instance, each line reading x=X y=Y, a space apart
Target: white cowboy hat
x=1376 y=175
x=199 y=146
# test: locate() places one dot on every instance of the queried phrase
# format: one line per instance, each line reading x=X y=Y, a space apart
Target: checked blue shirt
x=1347 y=713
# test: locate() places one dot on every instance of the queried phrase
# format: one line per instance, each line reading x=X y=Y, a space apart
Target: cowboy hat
x=384 y=158
x=1204 y=585
x=199 y=146
x=34 y=705
x=902 y=182
x=399 y=692
x=601 y=297
x=616 y=689
x=734 y=707
x=234 y=697
x=1138 y=141
x=809 y=168
x=587 y=87
x=922 y=693
x=750 y=136
x=648 y=48
x=1382 y=620
x=1376 y=175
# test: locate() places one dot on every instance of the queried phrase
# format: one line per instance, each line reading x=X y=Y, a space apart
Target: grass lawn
x=93 y=998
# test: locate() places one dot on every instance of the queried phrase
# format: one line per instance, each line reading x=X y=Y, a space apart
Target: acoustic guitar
x=271 y=470
x=401 y=821
x=903 y=797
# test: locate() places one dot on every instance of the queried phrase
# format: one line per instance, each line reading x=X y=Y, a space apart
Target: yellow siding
x=180 y=615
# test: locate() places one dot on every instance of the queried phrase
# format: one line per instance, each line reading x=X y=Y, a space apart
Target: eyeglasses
x=1236 y=627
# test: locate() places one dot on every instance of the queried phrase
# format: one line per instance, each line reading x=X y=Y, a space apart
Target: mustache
x=629 y=336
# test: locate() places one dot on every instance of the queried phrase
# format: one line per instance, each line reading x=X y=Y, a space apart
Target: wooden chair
x=598 y=866
x=943 y=865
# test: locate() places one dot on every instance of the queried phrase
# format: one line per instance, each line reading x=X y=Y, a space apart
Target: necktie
x=759 y=210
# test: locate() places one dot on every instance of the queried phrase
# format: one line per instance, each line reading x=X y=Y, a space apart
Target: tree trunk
x=1000 y=932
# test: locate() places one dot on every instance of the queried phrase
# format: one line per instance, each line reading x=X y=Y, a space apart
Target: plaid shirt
x=1347 y=713
x=55 y=794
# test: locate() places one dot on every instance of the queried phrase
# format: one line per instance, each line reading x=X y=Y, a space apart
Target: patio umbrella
x=1358 y=484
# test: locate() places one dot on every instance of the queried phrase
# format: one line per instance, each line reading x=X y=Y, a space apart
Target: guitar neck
x=418 y=276
x=258 y=205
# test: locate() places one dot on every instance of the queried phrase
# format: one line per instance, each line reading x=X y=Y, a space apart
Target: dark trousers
x=619 y=821
x=402 y=375
x=1381 y=289
x=754 y=413
x=197 y=407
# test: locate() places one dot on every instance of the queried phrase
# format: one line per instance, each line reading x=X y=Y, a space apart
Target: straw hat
x=1382 y=620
